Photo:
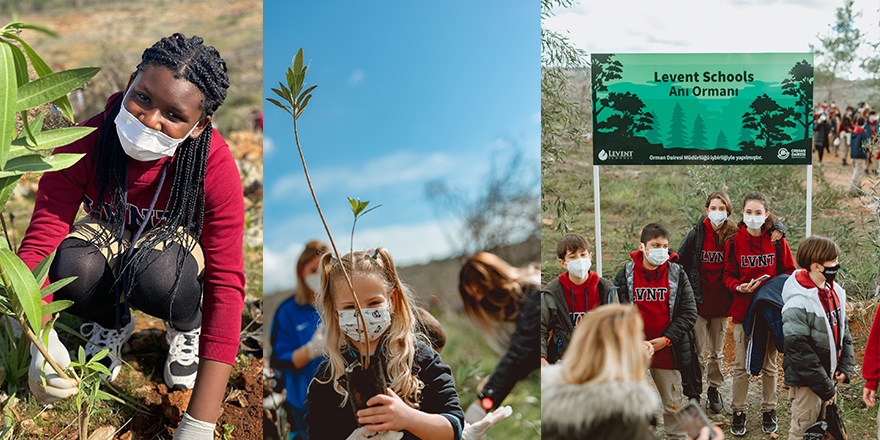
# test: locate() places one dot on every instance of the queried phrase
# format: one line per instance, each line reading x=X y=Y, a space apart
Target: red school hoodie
x=754 y=256
x=871 y=363
x=580 y=298
x=716 y=298
x=61 y=193
x=651 y=295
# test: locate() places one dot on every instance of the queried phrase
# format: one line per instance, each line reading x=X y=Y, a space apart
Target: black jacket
x=522 y=355
x=690 y=253
x=327 y=420
x=556 y=318
x=681 y=328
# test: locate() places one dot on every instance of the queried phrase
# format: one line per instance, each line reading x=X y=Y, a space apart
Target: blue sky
x=408 y=92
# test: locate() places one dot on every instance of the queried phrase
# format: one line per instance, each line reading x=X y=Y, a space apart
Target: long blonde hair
x=607 y=346
x=502 y=285
x=314 y=249
x=398 y=342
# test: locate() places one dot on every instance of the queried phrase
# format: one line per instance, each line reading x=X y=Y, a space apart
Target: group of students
x=316 y=338
x=848 y=133
x=681 y=304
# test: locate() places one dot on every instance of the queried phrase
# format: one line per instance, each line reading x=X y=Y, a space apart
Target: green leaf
x=303 y=94
x=21 y=67
x=47 y=140
x=298 y=62
x=279 y=105
x=8 y=98
x=34 y=163
x=41 y=271
x=42 y=70
x=52 y=288
x=56 y=306
x=354 y=204
x=303 y=106
x=287 y=94
x=81 y=355
x=34 y=27
x=23 y=287
x=52 y=86
x=100 y=355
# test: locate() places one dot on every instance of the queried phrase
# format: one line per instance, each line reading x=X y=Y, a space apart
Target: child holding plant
x=165 y=216
x=420 y=400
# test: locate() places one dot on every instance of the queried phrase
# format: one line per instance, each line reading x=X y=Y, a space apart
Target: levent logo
x=603 y=155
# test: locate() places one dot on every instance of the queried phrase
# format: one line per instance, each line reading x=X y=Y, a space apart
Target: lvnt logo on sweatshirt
x=713 y=257
x=765 y=260
x=651 y=293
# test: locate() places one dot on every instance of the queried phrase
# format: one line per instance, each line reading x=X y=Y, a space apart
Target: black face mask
x=830 y=272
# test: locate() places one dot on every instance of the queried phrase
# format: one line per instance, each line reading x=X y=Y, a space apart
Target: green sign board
x=727 y=109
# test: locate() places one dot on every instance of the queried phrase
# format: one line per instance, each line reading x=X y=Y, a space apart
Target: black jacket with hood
x=555 y=316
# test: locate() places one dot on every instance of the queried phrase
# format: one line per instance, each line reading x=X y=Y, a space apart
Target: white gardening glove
x=56 y=388
x=316 y=344
x=363 y=433
x=477 y=430
x=192 y=429
x=474 y=413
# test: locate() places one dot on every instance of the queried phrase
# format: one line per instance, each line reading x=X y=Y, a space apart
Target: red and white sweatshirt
x=755 y=256
x=62 y=192
x=580 y=298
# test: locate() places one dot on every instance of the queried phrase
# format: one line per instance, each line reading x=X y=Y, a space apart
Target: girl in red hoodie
x=165 y=223
x=748 y=255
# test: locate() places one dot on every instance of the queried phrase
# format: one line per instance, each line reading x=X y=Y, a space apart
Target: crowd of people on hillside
x=853 y=134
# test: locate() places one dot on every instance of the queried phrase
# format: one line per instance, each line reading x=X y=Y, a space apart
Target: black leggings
x=92 y=292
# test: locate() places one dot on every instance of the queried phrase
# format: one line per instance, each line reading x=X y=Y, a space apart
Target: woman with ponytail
x=164 y=223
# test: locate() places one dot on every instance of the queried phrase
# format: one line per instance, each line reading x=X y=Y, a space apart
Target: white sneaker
x=101 y=338
x=183 y=358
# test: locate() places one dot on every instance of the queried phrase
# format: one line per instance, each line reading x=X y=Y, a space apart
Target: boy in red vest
x=659 y=287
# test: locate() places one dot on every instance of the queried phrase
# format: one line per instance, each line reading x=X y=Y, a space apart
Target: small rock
x=28 y=426
x=103 y=433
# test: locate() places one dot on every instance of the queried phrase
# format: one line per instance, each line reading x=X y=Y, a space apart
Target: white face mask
x=378 y=320
x=579 y=268
x=656 y=256
x=143 y=143
x=313 y=282
x=717 y=217
x=753 y=221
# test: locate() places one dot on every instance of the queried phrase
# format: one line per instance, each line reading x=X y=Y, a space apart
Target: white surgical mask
x=313 y=282
x=717 y=217
x=753 y=221
x=656 y=256
x=378 y=320
x=579 y=268
x=143 y=143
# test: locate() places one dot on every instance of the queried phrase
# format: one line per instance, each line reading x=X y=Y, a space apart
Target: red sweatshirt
x=716 y=299
x=651 y=296
x=62 y=192
x=580 y=298
x=871 y=363
x=755 y=256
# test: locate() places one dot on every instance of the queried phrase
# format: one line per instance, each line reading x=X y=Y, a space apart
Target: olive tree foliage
x=563 y=124
x=838 y=47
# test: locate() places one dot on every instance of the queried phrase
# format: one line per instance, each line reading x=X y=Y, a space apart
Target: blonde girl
x=421 y=401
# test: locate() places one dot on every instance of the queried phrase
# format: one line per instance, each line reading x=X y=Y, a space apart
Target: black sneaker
x=738 y=427
x=715 y=403
x=769 y=425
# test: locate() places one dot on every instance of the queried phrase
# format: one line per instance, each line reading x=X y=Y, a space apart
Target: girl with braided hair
x=165 y=219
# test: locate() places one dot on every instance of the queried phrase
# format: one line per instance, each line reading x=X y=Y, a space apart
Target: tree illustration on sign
x=699 y=140
x=630 y=117
x=799 y=84
x=721 y=141
x=604 y=69
x=677 y=135
x=653 y=135
x=746 y=137
x=770 y=120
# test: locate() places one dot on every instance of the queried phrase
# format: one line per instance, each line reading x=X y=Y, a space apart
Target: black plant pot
x=363 y=384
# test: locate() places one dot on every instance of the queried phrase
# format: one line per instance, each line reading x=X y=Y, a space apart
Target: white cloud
x=356 y=77
x=278 y=267
x=398 y=168
x=408 y=244
x=685 y=26
x=268 y=146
